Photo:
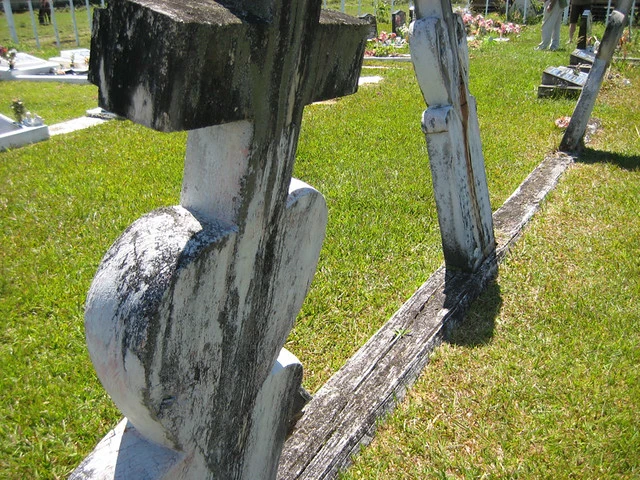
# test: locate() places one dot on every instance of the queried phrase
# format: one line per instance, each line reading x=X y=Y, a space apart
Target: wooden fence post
x=33 y=24
x=73 y=19
x=54 y=23
x=10 y=22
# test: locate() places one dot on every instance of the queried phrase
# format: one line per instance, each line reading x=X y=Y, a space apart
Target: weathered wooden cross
x=573 y=138
x=441 y=61
x=190 y=308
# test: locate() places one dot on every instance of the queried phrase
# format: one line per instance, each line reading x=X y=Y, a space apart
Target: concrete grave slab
x=579 y=56
x=25 y=64
x=13 y=135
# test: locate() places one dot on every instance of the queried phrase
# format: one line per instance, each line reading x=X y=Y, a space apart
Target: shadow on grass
x=477 y=326
x=627 y=162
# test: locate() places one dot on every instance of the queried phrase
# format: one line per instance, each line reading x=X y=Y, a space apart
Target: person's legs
x=556 y=21
x=547 y=27
x=572 y=31
x=574 y=15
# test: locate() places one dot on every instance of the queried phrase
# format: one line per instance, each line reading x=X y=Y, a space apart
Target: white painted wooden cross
x=441 y=61
x=190 y=308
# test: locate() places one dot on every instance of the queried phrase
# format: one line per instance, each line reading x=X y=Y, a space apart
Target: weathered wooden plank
x=510 y=219
x=342 y=415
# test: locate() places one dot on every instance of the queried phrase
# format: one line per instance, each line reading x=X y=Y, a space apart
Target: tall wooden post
x=8 y=12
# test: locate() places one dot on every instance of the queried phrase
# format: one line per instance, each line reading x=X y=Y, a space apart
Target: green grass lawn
x=64 y=201
x=541 y=381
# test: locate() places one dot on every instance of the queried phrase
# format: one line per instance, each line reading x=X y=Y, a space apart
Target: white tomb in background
x=34 y=69
x=13 y=135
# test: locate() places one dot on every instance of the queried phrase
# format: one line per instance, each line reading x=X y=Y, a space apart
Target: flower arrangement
x=18 y=108
x=9 y=55
x=386 y=45
x=479 y=26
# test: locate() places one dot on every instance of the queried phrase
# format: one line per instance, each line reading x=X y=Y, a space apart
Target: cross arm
x=173 y=66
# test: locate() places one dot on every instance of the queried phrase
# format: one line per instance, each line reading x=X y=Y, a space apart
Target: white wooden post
x=86 y=2
x=73 y=19
x=33 y=24
x=574 y=135
x=188 y=313
x=631 y=15
x=54 y=23
x=440 y=57
x=10 y=23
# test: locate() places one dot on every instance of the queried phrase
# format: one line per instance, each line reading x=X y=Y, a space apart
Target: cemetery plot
x=25 y=64
x=564 y=76
x=14 y=135
x=567 y=81
x=579 y=56
x=70 y=67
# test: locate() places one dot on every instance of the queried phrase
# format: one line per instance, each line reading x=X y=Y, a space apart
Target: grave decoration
x=26 y=128
x=438 y=42
x=188 y=313
x=387 y=45
x=9 y=56
x=479 y=27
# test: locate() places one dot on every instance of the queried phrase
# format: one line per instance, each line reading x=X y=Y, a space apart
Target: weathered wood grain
x=187 y=316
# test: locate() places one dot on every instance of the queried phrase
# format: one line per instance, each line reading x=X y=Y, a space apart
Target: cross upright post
x=441 y=61
x=188 y=313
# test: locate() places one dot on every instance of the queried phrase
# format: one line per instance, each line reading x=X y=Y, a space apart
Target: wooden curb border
x=342 y=415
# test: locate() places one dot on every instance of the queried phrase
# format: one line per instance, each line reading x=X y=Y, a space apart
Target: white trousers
x=551 y=21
